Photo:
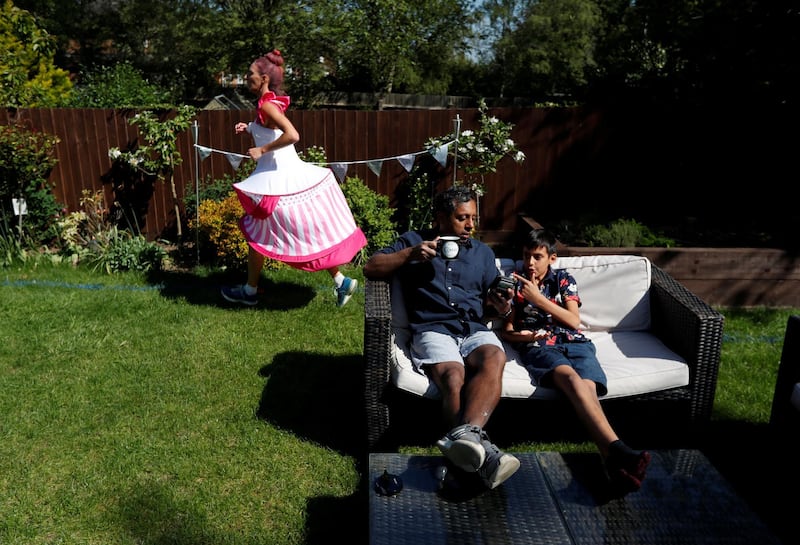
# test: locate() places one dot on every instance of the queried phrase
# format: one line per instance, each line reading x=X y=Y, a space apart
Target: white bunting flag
x=204 y=152
x=407 y=161
x=375 y=167
x=340 y=170
x=234 y=159
x=440 y=154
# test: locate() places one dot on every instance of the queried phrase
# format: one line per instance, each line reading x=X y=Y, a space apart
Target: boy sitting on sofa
x=544 y=326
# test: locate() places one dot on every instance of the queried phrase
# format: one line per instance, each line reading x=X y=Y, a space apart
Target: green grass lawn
x=147 y=411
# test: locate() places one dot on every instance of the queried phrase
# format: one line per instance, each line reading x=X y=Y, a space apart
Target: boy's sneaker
x=498 y=466
x=462 y=446
x=345 y=291
x=237 y=294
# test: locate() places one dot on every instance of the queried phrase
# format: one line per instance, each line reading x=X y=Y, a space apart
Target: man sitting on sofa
x=446 y=277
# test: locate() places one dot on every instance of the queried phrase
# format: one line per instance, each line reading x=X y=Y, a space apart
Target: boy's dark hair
x=536 y=238
x=450 y=198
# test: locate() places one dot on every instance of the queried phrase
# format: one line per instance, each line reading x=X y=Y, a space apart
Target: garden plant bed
x=731 y=277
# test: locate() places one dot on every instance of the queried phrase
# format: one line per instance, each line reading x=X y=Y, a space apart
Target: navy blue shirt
x=446 y=296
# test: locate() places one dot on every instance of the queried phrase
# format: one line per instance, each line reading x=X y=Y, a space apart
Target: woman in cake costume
x=295 y=212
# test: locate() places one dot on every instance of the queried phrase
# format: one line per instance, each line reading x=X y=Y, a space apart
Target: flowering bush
x=157 y=154
x=478 y=152
x=218 y=228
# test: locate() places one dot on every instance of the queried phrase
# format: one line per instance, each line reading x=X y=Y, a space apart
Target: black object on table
x=558 y=499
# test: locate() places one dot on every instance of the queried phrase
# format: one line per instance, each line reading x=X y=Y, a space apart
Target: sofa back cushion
x=614 y=290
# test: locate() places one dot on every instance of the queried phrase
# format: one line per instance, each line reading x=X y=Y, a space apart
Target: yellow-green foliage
x=218 y=228
x=30 y=77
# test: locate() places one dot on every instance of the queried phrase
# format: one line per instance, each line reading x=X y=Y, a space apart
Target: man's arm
x=383 y=265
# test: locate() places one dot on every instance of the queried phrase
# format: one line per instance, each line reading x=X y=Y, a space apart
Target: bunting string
x=339 y=168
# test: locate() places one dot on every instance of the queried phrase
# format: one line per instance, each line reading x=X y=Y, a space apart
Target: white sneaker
x=498 y=466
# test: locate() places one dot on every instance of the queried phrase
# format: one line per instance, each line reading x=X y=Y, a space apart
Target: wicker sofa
x=661 y=344
x=785 y=415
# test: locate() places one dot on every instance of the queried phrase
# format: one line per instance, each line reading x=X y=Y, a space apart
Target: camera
x=502 y=284
x=448 y=247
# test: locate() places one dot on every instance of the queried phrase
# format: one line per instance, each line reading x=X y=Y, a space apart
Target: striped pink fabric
x=311 y=230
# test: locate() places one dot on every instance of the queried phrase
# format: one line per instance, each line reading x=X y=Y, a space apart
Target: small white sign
x=20 y=207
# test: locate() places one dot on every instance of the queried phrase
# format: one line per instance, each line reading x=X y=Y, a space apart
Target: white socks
x=250 y=290
x=338 y=279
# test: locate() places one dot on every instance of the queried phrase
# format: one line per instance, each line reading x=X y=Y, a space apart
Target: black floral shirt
x=558 y=286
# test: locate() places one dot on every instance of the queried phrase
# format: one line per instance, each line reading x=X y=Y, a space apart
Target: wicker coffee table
x=563 y=499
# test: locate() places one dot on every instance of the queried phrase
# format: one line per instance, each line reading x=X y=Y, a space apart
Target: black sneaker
x=237 y=294
x=498 y=466
x=627 y=471
x=462 y=446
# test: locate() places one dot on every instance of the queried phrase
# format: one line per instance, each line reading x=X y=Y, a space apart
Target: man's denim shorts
x=433 y=347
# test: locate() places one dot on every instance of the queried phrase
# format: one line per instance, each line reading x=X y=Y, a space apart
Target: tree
x=27 y=71
x=158 y=155
x=551 y=53
x=400 y=46
x=118 y=86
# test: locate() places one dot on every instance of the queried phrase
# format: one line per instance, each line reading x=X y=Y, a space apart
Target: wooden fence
x=669 y=163
x=348 y=137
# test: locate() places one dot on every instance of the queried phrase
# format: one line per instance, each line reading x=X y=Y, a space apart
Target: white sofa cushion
x=635 y=361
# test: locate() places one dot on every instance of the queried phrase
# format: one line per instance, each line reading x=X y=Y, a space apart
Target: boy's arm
x=568 y=315
x=507 y=332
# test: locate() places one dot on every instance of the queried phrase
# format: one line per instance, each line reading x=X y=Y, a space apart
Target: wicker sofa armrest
x=377 y=353
x=691 y=328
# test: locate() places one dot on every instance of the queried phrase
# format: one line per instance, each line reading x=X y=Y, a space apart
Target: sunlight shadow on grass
x=318 y=397
x=198 y=290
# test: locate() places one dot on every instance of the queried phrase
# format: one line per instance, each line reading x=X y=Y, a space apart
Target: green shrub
x=26 y=159
x=118 y=86
x=27 y=62
x=127 y=252
x=623 y=233
x=221 y=242
x=372 y=214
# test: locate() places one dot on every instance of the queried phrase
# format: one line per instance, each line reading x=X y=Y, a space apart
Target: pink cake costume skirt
x=295 y=212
